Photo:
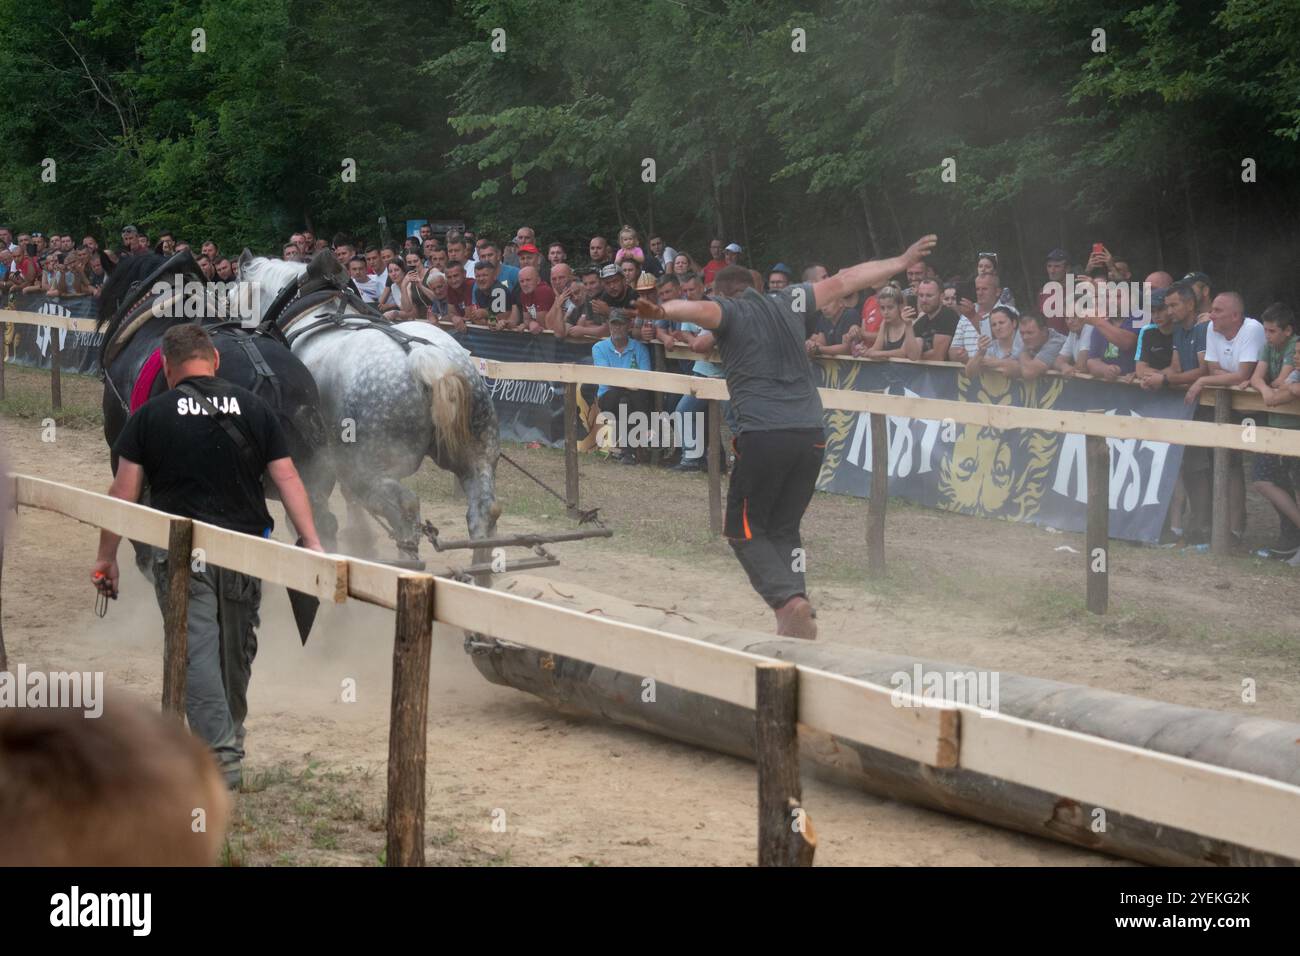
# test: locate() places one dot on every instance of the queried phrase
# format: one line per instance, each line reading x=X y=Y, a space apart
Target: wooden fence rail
x=1096 y=427
x=1224 y=804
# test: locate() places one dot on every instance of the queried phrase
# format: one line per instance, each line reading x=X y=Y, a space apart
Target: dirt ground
x=1185 y=628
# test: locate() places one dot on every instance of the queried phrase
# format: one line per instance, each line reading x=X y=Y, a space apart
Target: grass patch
x=27 y=397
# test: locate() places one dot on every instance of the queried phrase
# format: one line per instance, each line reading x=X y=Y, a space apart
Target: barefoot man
x=780 y=440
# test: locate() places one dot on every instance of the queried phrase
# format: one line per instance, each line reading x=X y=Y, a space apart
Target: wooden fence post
x=4 y=657
x=785 y=832
x=180 y=538
x=408 y=721
x=1096 y=551
x=1220 y=516
x=657 y=362
x=56 y=384
x=713 y=424
x=876 y=504
x=571 y=448
x=4 y=356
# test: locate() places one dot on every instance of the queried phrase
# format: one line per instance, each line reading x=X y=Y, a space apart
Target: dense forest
x=804 y=130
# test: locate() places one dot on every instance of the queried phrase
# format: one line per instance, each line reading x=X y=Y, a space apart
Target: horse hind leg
x=398 y=509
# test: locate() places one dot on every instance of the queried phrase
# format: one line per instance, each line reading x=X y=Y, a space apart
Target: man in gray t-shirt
x=1042 y=345
x=780 y=442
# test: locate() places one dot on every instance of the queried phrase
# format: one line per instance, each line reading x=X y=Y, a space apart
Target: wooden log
x=56 y=382
x=713 y=451
x=1220 y=519
x=408 y=722
x=180 y=539
x=1250 y=745
x=879 y=499
x=1096 y=552
x=571 y=448
x=783 y=833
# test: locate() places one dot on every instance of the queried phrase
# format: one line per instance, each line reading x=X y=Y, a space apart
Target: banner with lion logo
x=1017 y=474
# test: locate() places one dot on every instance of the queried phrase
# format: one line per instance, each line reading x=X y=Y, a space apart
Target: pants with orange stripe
x=773 y=481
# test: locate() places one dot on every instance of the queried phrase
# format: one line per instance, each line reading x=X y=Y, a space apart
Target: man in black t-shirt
x=936 y=324
x=196 y=467
x=1155 y=345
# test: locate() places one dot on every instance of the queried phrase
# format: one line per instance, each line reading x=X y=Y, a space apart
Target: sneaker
x=689 y=464
x=627 y=458
x=1277 y=554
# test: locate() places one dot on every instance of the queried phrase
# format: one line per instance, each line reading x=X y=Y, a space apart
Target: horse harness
x=336 y=318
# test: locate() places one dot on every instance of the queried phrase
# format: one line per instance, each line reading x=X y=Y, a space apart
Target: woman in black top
x=895 y=338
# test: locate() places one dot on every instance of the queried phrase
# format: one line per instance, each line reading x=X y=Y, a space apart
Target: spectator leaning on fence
x=894 y=338
x=1040 y=347
x=1111 y=344
x=702 y=343
x=835 y=320
x=492 y=303
x=620 y=351
x=1155 y=348
x=936 y=324
x=1234 y=343
x=999 y=350
x=1277 y=477
x=972 y=323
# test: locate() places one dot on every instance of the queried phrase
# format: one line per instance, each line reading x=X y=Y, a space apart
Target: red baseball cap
x=529 y=247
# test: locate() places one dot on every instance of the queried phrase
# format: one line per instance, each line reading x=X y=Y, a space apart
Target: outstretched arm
x=871 y=274
x=705 y=314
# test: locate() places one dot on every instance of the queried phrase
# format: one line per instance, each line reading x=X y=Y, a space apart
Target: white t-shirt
x=1246 y=346
x=372 y=288
x=1072 y=346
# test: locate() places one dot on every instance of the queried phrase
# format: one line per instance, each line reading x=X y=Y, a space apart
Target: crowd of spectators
x=1089 y=320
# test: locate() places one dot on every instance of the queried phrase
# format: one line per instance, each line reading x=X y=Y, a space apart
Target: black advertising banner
x=528 y=411
x=1016 y=474
x=30 y=345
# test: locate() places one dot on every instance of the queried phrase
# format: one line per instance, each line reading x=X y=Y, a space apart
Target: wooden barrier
x=409 y=720
x=65 y=322
x=1096 y=550
x=180 y=538
x=879 y=499
x=1226 y=804
x=1277 y=441
x=785 y=833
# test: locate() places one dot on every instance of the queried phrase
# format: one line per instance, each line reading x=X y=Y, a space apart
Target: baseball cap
x=1058 y=255
x=528 y=247
x=1158 y=298
x=782 y=268
x=618 y=315
x=733 y=247
x=132 y=230
x=1197 y=277
x=609 y=271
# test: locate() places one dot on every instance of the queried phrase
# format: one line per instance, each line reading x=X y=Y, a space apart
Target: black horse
x=133 y=320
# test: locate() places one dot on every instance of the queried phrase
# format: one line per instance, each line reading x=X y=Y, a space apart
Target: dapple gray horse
x=390 y=395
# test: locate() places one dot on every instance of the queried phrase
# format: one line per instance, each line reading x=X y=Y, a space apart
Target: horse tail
x=451 y=399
